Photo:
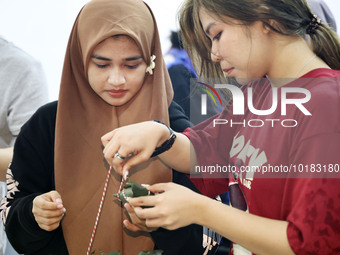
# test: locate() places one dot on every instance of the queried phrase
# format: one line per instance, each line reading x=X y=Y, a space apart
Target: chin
x=115 y=101
x=118 y=103
x=245 y=81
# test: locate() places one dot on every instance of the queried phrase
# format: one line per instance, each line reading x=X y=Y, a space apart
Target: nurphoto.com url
x=318 y=169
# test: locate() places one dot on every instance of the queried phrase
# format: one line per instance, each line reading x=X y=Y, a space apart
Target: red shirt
x=301 y=152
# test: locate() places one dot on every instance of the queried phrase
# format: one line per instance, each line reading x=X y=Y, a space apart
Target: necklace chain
x=303 y=67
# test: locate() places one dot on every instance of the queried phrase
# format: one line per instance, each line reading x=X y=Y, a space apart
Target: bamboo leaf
x=155 y=252
x=132 y=189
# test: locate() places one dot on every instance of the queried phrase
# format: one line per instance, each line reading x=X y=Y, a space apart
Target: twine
x=99 y=211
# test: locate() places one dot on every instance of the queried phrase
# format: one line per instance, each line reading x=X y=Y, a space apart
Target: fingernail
x=58 y=200
x=64 y=210
x=126 y=175
x=60 y=206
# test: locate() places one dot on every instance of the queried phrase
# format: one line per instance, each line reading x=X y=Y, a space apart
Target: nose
x=116 y=76
x=215 y=56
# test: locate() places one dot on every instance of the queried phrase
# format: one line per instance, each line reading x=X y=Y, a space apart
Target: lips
x=117 y=93
x=228 y=70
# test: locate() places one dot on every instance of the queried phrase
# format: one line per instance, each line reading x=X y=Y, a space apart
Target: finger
x=44 y=203
x=155 y=223
x=110 y=150
x=147 y=213
x=124 y=154
x=136 y=223
x=49 y=227
x=107 y=138
x=135 y=160
x=56 y=197
x=133 y=216
x=52 y=200
x=48 y=224
x=120 y=160
x=143 y=201
x=131 y=226
x=117 y=165
x=48 y=221
x=160 y=187
x=129 y=209
x=49 y=214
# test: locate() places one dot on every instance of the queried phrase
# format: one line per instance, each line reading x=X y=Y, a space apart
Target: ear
x=269 y=26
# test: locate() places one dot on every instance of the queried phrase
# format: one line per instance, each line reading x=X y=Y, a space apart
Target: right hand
x=139 y=140
x=173 y=206
x=48 y=210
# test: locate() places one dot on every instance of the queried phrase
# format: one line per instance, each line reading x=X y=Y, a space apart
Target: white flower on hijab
x=152 y=65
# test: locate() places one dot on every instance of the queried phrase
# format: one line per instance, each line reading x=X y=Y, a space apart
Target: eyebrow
x=207 y=30
x=107 y=59
x=100 y=58
x=133 y=58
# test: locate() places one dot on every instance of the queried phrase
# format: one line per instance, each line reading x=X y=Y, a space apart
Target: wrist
x=166 y=141
x=164 y=132
x=201 y=205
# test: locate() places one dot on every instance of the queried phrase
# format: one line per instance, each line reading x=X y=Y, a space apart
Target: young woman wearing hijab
x=294 y=208
x=113 y=75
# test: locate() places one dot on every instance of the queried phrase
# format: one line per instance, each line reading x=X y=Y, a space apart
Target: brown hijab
x=83 y=117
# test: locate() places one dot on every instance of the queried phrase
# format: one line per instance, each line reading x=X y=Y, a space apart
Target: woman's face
x=243 y=52
x=116 y=70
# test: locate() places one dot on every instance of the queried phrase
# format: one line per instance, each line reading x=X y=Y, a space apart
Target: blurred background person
x=185 y=82
x=23 y=89
x=181 y=71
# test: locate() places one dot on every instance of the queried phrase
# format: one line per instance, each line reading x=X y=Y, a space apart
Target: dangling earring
x=152 y=65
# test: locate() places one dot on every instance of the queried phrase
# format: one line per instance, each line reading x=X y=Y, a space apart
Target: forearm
x=5 y=158
x=257 y=234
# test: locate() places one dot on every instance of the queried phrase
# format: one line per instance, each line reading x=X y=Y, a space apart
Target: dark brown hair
x=291 y=18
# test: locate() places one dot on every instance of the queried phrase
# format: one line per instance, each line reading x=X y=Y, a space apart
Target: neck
x=292 y=59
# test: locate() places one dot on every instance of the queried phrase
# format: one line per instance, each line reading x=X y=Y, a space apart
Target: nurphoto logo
x=238 y=105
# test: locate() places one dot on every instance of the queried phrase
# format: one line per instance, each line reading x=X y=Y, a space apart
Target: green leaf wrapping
x=111 y=253
x=132 y=189
x=155 y=252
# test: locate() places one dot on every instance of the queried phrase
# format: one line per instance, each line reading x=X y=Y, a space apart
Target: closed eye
x=217 y=37
x=132 y=66
x=102 y=66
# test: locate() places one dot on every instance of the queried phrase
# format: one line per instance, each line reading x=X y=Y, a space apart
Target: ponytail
x=326 y=45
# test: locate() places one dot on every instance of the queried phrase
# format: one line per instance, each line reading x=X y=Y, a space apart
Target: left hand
x=173 y=206
x=136 y=224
